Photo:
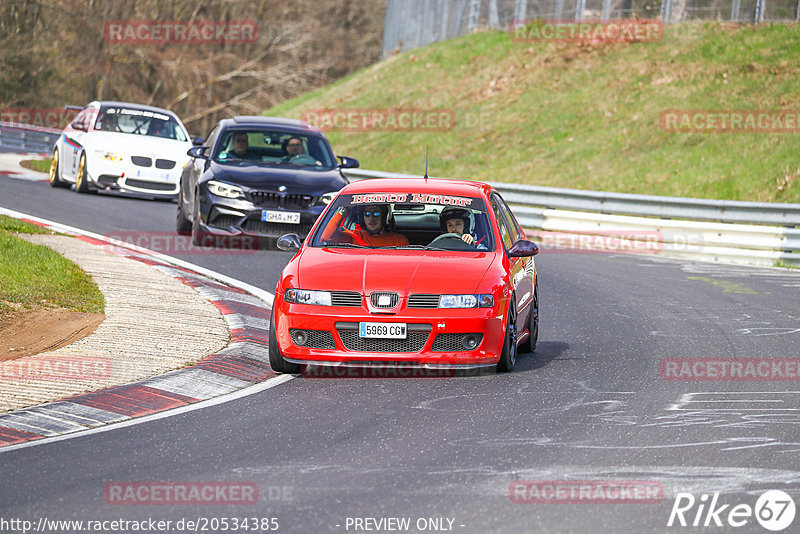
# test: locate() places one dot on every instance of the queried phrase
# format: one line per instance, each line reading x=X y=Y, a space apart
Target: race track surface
x=589 y=405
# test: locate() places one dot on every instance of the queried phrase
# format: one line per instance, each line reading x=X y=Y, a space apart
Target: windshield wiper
x=343 y=245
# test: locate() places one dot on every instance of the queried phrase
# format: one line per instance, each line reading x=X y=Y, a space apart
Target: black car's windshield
x=275 y=148
x=406 y=221
x=139 y=121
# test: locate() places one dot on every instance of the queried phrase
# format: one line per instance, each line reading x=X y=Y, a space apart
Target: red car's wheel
x=276 y=361
x=529 y=345
x=509 y=355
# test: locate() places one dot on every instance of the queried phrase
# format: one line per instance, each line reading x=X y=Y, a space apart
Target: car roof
x=433 y=186
x=103 y=103
x=260 y=121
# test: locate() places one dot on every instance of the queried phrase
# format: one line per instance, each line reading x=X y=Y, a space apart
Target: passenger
x=459 y=221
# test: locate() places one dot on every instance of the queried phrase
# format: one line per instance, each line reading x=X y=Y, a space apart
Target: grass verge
x=33 y=276
x=585 y=116
x=41 y=165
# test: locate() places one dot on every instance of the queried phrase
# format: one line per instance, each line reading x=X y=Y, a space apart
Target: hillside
x=586 y=116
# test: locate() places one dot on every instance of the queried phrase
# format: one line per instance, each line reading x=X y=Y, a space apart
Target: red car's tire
x=508 y=357
x=276 y=361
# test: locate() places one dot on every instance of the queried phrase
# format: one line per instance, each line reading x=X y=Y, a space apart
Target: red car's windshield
x=399 y=220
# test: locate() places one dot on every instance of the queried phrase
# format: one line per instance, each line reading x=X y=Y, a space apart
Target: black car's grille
x=453 y=342
x=165 y=164
x=345 y=298
x=315 y=339
x=268 y=199
x=141 y=161
x=275 y=229
x=375 y=297
x=417 y=337
x=155 y=186
x=423 y=300
x=224 y=221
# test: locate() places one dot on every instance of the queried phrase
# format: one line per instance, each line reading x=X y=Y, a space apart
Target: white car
x=117 y=146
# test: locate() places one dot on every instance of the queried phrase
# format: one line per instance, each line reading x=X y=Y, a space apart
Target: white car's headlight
x=225 y=190
x=466 y=301
x=111 y=156
x=303 y=296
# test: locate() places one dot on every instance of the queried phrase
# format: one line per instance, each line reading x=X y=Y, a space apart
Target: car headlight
x=303 y=296
x=327 y=198
x=225 y=190
x=466 y=301
x=111 y=156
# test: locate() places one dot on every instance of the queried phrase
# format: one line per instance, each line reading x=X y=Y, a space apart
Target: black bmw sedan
x=256 y=179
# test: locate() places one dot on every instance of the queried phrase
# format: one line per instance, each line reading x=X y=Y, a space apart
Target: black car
x=256 y=179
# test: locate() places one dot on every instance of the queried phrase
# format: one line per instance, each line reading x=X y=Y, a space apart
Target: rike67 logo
x=774 y=510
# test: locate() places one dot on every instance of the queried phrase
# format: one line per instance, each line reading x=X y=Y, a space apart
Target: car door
x=74 y=143
x=194 y=169
x=521 y=269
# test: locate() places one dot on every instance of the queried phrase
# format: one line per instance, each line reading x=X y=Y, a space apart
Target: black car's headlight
x=327 y=198
x=466 y=301
x=304 y=296
x=221 y=189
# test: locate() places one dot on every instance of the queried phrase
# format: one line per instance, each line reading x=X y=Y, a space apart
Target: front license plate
x=290 y=217
x=382 y=330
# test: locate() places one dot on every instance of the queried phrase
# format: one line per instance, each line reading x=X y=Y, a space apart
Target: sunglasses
x=372 y=214
x=295 y=144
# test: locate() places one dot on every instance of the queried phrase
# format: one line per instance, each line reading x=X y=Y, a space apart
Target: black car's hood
x=296 y=179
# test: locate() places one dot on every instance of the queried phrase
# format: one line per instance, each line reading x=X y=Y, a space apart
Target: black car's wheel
x=55 y=172
x=197 y=234
x=276 y=361
x=183 y=225
x=529 y=345
x=82 y=179
x=509 y=355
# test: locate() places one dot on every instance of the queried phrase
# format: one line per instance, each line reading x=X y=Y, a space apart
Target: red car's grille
x=423 y=300
x=417 y=337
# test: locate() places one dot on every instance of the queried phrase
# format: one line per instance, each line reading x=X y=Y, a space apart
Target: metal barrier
x=752 y=233
x=27 y=138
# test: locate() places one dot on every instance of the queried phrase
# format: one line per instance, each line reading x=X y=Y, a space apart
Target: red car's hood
x=401 y=271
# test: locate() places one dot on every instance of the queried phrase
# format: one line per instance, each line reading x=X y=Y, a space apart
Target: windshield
x=139 y=122
x=274 y=147
x=408 y=221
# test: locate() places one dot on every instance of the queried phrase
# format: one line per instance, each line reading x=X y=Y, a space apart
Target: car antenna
x=426 y=163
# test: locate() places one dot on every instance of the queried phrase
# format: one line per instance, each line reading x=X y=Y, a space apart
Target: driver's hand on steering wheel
x=468 y=239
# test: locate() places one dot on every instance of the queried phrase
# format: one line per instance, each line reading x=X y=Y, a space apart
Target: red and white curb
x=214 y=379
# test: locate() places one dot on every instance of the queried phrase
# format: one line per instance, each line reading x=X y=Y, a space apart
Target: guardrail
x=26 y=138
x=753 y=233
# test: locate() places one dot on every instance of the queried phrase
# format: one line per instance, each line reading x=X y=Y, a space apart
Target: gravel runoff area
x=154 y=323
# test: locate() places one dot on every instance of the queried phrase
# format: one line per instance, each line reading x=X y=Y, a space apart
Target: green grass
x=41 y=165
x=35 y=276
x=586 y=117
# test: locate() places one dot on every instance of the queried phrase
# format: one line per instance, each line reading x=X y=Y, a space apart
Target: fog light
x=470 y=341
x=299 y=337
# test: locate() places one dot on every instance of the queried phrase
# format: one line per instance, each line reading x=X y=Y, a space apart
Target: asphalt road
x=589 y=405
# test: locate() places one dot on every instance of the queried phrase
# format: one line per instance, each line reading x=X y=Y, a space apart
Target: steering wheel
x=302 y=159
x=452 y=246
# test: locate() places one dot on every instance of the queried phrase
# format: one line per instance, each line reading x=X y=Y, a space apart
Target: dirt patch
x=27 y=332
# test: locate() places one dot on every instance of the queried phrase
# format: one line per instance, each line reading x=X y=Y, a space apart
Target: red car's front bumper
x=435 y=337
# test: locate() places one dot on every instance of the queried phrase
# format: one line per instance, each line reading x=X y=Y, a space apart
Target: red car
x=408 y=272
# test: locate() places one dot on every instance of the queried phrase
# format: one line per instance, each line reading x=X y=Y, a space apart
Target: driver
x=458 y=221
x=374 y=230
x=294 y=148
x=240 y=147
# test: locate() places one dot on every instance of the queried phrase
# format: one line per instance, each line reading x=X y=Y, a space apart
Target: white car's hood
x=138 y=145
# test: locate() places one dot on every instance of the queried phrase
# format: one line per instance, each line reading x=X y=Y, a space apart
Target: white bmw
x=117 y=146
